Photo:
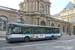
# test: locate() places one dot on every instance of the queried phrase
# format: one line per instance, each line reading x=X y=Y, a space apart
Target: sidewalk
x=2 y=39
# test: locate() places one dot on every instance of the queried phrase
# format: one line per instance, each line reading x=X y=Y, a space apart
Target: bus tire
x=52 y=38
x=26 y=39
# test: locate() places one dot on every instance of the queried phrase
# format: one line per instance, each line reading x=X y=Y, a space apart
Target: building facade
x=37 y=13
x=68 y=15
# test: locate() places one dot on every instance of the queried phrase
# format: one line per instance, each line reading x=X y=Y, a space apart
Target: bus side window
x=26 y=30
x=37 y=30
x=44 y=30
x=23 y=30
x=33 y=30
x=48 y=32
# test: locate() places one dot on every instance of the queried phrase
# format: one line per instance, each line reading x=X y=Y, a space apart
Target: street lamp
x=19 y=12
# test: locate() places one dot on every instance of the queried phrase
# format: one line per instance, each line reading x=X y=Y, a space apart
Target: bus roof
x=32 y=25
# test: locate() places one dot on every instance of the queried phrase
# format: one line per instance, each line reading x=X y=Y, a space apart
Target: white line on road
x=65 y=47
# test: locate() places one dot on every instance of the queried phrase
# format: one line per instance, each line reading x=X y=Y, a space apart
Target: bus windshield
x=16 y=30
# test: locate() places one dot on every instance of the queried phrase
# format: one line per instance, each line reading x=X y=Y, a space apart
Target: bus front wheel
x=26 y=39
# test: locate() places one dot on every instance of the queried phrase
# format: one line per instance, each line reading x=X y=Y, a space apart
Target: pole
x=21 y=19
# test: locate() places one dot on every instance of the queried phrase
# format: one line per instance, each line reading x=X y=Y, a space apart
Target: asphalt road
x=66 y=42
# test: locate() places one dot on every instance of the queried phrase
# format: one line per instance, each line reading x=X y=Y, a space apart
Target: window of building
x=4 y=20
x=20 y=20
x=64 y=19
x=58 y=25
x=72 y=11
x=42 y=9
x=64 y=13
x=73 y=19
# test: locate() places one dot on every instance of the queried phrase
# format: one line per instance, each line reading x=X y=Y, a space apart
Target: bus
x=26 y=32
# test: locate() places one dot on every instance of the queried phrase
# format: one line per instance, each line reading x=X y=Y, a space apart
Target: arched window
x=3 y=23
x=52 y=25
x=42 y=9
x=3 y=18
x=43 y=23
x=20 y=20
x=58 y=25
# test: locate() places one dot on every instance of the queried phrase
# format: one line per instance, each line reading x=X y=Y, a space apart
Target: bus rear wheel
x=52 y=37
x=26 y=39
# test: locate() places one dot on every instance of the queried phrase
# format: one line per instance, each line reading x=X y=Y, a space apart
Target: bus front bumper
x=14 y=39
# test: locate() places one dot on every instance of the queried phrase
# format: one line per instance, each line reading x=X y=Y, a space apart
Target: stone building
x=68 y=15
x=37 y=13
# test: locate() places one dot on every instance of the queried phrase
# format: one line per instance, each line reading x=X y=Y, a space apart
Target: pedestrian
x=69 y=34
x=74 y=33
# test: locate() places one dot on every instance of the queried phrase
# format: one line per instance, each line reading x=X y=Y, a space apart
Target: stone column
x=48 y=9
x=38 y=21
x=37 y=5
x=30 y=6
x=45 y=9
x=2 y=25
x=49 y=22
x=62 y=28
x=32 y=20
x=34 y=6
x=35 y=21
x=26 y=6
x=46 y=21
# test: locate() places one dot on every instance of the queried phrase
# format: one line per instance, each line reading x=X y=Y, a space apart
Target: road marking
x=68 y=40
x=41 y=44
x=65 y=47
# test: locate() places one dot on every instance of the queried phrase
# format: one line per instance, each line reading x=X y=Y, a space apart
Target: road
x=64 y=43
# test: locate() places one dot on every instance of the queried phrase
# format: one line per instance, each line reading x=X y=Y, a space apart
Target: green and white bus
x=26 y=32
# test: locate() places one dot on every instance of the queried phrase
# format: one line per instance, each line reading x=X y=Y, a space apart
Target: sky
x=56 y=5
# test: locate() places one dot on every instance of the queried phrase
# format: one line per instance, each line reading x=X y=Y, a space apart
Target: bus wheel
x=52 y=37
x=26 y=39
